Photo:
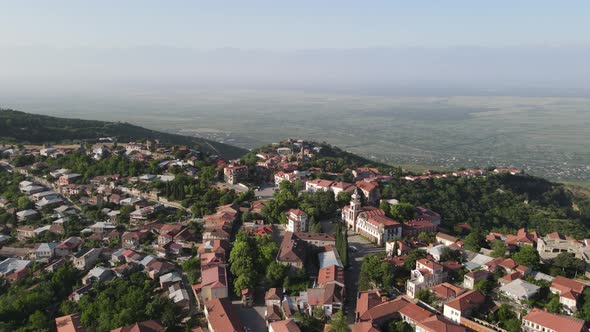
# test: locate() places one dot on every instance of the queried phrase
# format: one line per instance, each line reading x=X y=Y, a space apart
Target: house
x=378 y=312
x=217 y=246
x=412 y=313
x=133 y=239
x=272 y=313
x=45 y=250
x=427 y=274
x=316 y=185
x=27 y=215
x=438 y=324
x=569 y=291
x=102 y=227
x=521 y=238
x=283 y=326
x=156 y=268
x=147 y=326
x=471 y=278
x=463 y=305
x=166 y=280
x=68 y=246
x=538 y=320
x=446 y=292
x=86 y=257
x=519 y=290
x=178 y=295
x=329 y=298
x=318 y=240
x=25 y=232
x=369 y=189
x=378 y=228
x=211 y=259
x=67 y=179
x=97 y=274
x=273 y=296
x=220 y=317
x=445 y=239
x=12 y=265
x=329 y=275
x=213 y=285
x=233 y=173
x=69 y=323
x=329 y=258
x=77 y=294
x=296 y=221
x=293 y=251
x=553 y=244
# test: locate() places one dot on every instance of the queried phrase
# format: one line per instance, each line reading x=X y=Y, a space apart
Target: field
x=547 y=136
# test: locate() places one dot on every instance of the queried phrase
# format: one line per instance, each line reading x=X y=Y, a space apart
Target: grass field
x=545 y=136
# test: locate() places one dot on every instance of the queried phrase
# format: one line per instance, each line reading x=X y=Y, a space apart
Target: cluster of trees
x=402 y=212
x=497 y=202
x=23 y=305
x=318 y=205
x=247 y=257
x=81 y=163
x=376 y=273
x=124 y=301
x=342 y=243
x=35 y=128
x=506 y=318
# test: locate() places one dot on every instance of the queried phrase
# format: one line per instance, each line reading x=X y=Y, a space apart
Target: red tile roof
x=221 y=317
x=439 y=324
x=147 y=326
x=554 y=322
x=466 y=301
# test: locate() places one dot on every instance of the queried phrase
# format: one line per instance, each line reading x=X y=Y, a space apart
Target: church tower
x=355 y=209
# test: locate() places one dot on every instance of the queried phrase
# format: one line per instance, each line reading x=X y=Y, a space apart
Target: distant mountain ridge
x=38 y=129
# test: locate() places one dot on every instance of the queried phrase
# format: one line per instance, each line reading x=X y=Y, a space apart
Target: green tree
x=276 y=274
x=498 y=248
x=568 y=265
x=528 y=256
x=403 y=212
x=474 y=241
x=24 y=203
x=338 y=323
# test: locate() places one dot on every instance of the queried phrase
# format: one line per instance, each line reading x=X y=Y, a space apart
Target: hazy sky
x=301 y=24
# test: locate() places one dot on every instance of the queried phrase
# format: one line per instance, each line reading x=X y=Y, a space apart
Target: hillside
x=16 y=126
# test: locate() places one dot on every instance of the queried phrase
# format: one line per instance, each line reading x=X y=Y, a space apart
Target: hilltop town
x=293 y=236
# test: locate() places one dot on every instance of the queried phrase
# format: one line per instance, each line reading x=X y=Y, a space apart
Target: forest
x=23 y=127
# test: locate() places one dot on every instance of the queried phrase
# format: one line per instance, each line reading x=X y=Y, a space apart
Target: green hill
x=23 y=127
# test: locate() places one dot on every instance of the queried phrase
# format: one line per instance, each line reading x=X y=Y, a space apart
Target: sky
x=361 y=45
x=293 y=25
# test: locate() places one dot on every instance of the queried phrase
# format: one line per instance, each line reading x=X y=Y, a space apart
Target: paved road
x=364 y=248
x=251 y=318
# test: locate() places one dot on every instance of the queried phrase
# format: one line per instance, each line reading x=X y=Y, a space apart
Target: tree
x=498 y=248
x=474 y=241
x=568 y=265
x=39 y=322
x=398 y=326
x=427 y=237
x=343 y=198
x=403 y=212
x=528 y=256
x=426 y=296
x=242 y=263
x=553 y=305
x=276 y=274
x=24 y=203
x=338 y=323
x=448 y=254
x=484 y=286
x=413 y=256
x=314 y=226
